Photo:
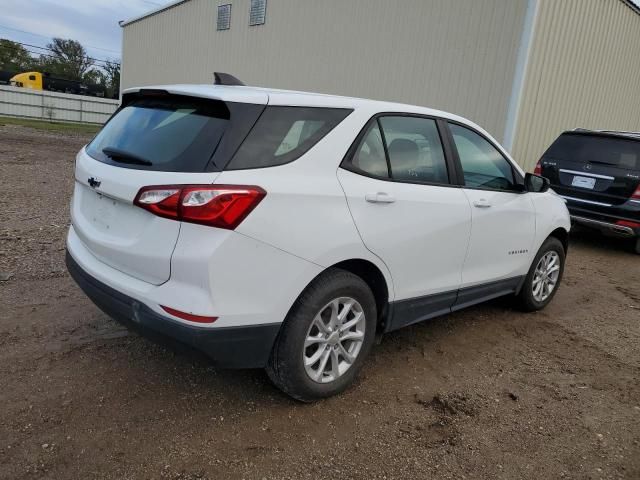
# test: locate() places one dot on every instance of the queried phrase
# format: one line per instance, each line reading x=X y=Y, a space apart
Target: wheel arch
x=372 y=274
x=375 y=279
x=563 y=235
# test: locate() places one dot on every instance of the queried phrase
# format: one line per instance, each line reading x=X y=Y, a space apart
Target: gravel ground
x=484 y=393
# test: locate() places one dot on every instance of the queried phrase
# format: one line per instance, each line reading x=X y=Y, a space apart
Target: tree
x=112 y=70
x=67 y=58
x=14 y=57
x=96 y=77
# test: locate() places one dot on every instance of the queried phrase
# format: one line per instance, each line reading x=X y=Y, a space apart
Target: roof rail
x=221 y=78
x=619 y=133
x=622 y=132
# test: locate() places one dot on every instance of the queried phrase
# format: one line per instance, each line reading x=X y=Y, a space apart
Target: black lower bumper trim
x=228 y=347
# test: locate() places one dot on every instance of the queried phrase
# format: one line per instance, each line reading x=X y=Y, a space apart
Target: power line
x=52 y=50
x=50 y=37
x=97 y=60
x=55 y=56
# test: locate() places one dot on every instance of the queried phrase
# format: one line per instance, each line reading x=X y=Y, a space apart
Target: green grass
x=50 y=126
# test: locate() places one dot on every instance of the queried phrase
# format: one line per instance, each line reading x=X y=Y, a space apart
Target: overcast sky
x=92 y=22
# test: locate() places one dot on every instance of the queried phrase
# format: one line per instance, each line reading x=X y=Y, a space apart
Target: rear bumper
x=612 y=228
x=228 y=347
x=604 y=217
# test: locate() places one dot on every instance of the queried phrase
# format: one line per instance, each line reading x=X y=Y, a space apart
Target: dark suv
x=598 y=174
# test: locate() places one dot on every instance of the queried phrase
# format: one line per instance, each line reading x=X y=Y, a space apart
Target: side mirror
x=536 y=183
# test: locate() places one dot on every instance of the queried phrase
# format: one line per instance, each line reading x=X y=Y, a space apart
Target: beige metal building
x=523 y=69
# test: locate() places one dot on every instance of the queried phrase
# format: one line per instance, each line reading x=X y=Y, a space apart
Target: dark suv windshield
x=173 y=133
x=602 y=149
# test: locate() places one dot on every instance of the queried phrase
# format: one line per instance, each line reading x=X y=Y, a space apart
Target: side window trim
x=384 y=147
x=456 y=176
x=460 y=173
x=443 y=134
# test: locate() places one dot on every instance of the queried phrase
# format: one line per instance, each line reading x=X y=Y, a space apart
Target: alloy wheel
x=545 y=277
x=334 y=339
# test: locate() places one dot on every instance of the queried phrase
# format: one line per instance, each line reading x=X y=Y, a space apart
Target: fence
x=64 y=107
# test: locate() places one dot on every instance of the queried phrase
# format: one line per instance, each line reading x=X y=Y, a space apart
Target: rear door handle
x=482 y=203
x=380 y=197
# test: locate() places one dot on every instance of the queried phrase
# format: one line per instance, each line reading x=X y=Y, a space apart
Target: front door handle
x=380 y=197
x=482 y=203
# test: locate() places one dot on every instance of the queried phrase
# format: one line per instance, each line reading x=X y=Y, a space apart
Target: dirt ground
x=484 y=393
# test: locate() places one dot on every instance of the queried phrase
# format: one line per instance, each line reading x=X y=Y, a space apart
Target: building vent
x=258 y=12
x=224 y=17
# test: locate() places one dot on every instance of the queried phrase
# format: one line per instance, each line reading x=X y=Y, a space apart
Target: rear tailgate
x=118 y=233
x=595 y=167
x=162 y=139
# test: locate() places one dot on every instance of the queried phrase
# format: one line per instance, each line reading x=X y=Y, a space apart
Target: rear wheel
x=637 y=247
x=325 y=338
x=544 y=276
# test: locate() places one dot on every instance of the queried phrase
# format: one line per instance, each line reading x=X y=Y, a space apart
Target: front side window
x=283 y=134
x=482 y=164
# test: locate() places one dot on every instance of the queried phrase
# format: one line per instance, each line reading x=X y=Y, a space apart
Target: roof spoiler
x=221 y=78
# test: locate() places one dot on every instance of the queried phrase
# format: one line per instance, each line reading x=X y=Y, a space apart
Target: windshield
x=178 y=134
x=617 y=152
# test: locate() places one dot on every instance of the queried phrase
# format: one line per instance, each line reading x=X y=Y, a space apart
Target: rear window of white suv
x=168 y=133
x=176 y=133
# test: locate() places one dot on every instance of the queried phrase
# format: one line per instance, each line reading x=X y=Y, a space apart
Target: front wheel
x=325 y=337
x=544 y=276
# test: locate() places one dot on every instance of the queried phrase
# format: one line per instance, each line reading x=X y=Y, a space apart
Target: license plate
x=583 y=182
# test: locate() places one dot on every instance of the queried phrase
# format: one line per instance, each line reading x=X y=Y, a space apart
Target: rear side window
x=414 y=148
x=404 y=148
x=168 y=134
x=617 y=152
x=370 y=157
x=283 y=134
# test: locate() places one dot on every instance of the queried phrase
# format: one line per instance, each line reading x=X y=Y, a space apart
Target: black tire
x=637 y=246
x=286 y=365
x=525 y=299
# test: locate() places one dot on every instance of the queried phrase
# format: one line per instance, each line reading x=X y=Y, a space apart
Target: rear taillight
x=627 y=223
x=222 y=206
x=636 y=194
x=160 y=201
x=538 y=169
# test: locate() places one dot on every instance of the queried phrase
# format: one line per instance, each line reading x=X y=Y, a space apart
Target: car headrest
x=403 y=146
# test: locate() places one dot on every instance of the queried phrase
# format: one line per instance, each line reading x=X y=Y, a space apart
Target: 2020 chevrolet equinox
x=285 y=230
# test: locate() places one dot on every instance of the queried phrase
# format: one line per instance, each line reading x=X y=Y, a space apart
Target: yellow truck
x=44 y=81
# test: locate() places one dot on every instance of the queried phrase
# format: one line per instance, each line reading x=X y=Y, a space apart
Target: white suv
x=287 y=230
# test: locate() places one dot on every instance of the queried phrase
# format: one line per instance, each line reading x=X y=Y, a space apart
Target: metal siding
x=457 y=56
x=584 y=71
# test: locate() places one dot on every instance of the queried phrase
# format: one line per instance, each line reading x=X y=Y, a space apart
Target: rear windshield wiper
x=122 y=156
